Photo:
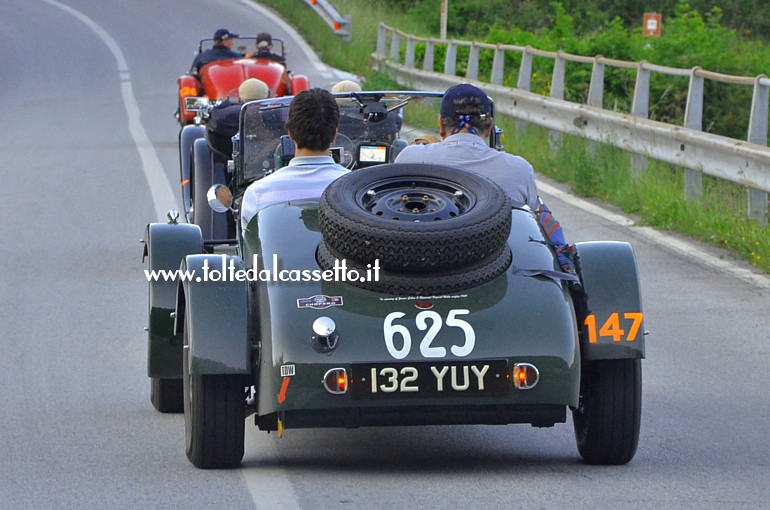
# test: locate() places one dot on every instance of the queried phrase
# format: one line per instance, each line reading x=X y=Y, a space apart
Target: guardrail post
x=395 y=47
x=524 y=83
x=640 y=108
x=758 y=206
x=596 y=91
x=382 y=34
x=472 y=73
x=525 y=70
x=557 y=89
x=693 y=119
x=409 y=61
x=450 y=63
x=557 y=79
x=757 y=198
x=497 y=66
x=596 y=88
x=427 y=63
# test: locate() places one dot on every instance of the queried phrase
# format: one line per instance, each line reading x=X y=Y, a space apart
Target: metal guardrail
x=745 y=162
x=341 y=25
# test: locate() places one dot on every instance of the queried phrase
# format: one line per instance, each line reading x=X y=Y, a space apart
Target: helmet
x=346 y=86
x=253 y=89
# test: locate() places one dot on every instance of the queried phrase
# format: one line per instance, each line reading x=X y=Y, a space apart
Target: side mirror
x=196 y=104
x=220 y=198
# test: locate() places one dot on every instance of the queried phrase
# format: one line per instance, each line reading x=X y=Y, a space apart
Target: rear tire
x=608 y=418
x=214 y=416
x=166 y=395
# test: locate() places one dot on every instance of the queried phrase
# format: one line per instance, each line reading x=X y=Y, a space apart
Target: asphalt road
x=88 y=147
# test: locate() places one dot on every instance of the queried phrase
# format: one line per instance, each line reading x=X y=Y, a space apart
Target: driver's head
x=224 y=37
x=253 y=89
x=313 y=119
x=466 y=107
x=264 y=41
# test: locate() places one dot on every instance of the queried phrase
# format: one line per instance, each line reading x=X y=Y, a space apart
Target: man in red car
x=223 y=42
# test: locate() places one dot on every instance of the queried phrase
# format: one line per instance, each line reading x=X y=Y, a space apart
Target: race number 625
x=430 y=322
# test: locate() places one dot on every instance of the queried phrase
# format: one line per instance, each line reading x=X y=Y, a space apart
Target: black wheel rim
x=417 y=200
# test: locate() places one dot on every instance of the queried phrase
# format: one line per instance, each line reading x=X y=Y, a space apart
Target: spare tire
x=426 y=284
x=415 y=218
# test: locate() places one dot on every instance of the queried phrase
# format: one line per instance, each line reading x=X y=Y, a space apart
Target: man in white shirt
x=312 y=125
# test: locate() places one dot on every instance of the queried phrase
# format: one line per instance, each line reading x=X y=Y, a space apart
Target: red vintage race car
x=220 y=79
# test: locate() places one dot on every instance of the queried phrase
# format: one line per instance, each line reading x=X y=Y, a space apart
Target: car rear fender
x=166 y=244
x=215 y=305
x=187 y=136
x=299 y=82
x=189 y=86
x=610 y=317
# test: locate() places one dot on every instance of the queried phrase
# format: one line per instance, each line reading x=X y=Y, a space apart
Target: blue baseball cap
x=465 y=99
x=224 y=33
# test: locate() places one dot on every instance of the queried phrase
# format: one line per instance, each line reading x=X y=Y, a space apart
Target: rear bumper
x=537 y=415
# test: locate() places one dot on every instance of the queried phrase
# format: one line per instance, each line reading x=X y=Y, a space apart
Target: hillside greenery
x=720 y=40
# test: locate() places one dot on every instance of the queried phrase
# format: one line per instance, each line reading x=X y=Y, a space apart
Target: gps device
x=372 y=153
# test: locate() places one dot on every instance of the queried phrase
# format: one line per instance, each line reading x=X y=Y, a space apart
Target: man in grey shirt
x=465 y=123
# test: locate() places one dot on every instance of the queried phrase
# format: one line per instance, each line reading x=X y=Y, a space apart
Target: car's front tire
x=608 y=418
x=214 y=416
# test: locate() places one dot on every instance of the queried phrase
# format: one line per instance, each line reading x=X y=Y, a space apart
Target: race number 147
x=611 y=327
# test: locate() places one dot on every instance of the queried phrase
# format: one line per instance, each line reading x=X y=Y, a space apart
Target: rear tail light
x=525 y=376
x=336 y=381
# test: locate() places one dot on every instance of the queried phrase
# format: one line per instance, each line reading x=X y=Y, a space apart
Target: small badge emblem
x=319 y=302
x=423 y=304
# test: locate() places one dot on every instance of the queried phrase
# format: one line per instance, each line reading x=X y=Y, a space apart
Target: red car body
x=220 y=79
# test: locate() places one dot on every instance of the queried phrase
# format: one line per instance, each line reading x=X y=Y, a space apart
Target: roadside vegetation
x=689 y=38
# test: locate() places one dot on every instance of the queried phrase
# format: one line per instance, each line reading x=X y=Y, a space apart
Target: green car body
x=317 y=350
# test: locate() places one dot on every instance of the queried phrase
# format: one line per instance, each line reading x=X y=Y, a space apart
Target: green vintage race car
x=406 y=295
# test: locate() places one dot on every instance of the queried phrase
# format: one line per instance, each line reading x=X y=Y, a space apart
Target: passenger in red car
x=265 y=49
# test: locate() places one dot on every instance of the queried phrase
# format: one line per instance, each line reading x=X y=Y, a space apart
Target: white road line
x=689 y=250
x=268 y=485
x=160 y=189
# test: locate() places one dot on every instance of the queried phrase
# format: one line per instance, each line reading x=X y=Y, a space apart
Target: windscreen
x=244 y=45
x=368 y=120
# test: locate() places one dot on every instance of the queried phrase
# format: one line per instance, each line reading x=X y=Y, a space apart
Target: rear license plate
x=429 y=379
